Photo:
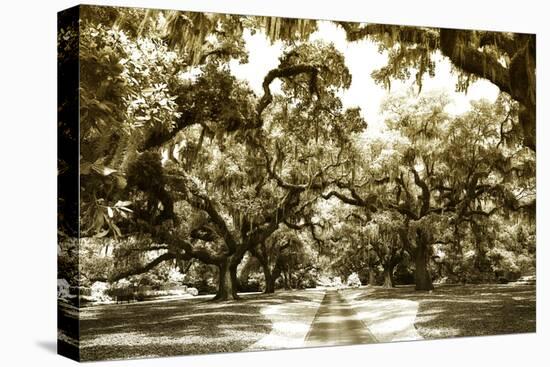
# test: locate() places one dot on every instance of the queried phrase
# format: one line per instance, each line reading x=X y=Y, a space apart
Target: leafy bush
x=193 y=291
x=403 y=275
x=252 y=284
x=63 y=289
x=67 y=261
x=353 y=280
x=99 y=292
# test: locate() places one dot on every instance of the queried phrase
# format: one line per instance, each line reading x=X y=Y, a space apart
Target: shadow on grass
x=471 y=310
x=176 y=327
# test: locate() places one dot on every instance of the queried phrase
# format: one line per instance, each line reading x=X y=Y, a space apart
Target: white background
x=28 y=181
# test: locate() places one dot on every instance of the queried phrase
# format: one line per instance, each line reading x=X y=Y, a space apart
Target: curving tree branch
x=145 y=268
x=283 y=72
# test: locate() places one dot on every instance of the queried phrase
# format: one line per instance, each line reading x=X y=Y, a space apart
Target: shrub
x=63 y=289
x=99 y=292
x=353 y=280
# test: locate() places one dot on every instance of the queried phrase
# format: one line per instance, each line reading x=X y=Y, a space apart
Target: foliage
x=67 y=261
x=188 y=177
x=353 y=280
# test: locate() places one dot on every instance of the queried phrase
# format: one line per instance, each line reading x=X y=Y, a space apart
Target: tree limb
x=143 y=269
x=283 y=72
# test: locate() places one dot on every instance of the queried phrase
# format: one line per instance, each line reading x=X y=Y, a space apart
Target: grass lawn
x=195 y=326
x=177 y=327
x=471 y=310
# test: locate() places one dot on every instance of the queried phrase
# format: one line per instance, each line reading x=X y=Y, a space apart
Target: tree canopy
x=182 y=162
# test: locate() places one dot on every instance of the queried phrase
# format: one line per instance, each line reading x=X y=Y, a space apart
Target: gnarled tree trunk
x=286 y=279
x=372 y=277
x=422 y=276
x=227 y=280
x=269 y=281
x=271 y=277
x=388 y=276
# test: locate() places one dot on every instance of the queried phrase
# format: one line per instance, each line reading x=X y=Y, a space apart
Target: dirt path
x=291 y=321
x=336 y=323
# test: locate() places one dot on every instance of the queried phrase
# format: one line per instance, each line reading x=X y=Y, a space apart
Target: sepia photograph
x=236 y=183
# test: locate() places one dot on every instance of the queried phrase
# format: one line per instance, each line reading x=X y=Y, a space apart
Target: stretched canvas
x=240 y=183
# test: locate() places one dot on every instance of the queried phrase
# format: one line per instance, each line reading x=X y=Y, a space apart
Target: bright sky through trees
x=364 y=92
